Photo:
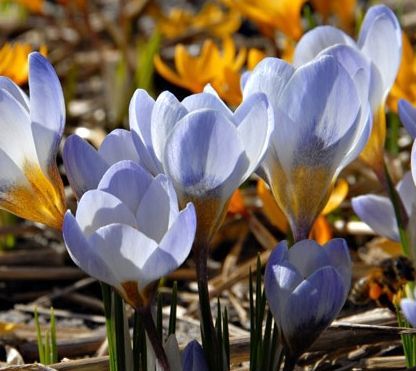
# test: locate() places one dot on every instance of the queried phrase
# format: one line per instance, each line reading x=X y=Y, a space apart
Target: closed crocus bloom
x=129 y=231
x=194 y=357
x=205 y=148
x=85 y=166
x=380 y=41
x=320 y=128
x=31 y=186
x=378 y=212
x=306 y=287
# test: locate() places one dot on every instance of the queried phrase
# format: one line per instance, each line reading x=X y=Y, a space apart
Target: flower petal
x=48 y=120
x=407 y=191
x=311 y=308
x=206 y=100
x=318 y=39
x=127 y=250
x=409 y=310
x=97 y=209
x=128 y=182
x=117 y=146
x=270 y=76
x=381 y=40
x=194 y=357
x=378 y=213
x=174 y=247
x=167 y=111
x=15 y=91
x=407 y=115
x=83 y=165
x=255 y=120
x=308 y=256
x=158 y=208
x=204 y=154
x=85 y=256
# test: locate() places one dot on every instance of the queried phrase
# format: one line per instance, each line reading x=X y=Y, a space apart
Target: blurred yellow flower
x=210 y=19
x=344 y=10
x=222 y=69
x=35 y=6
x=270 y=15
x=405 y=84
x=321 y=231
x=14 y=61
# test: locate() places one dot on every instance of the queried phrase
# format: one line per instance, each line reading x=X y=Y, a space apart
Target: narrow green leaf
x=172 y=316
x=41 y=349
x=54 y=347
x=109 y=324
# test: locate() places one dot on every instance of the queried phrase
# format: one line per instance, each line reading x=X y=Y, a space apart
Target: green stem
x=107 y=301
x=210 y=340
x=119 y=331
x=399 y=211
x=154 y=338
x=139 y=337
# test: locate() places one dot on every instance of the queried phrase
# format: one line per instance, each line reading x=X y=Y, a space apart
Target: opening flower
x=321 y=126
x=129 y=231
x=380 y=42
x=85 y=166
x=30 y=184
x=194 y=357
x=306 y=287
x=205 y=148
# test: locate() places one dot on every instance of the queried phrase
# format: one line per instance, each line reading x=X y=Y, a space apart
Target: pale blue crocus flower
x=380 y=42
x=193 y=357
x=407 y=113
x=306 y=287
x=85 y=165
x=207 y=149
x=378 y=212
x=129 y=232
x=322 y=124
x=31 y=130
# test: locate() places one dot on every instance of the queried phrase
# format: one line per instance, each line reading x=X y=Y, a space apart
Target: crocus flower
x=193 y=357
x=205 y=148
x=378 y=212
x=211 y=19
x=322 y=124
x=85 y=165
x=271 y=15
x=306 y=287
x=407 y=113
x=31 y=186
x=380 y=43
x=129 y=231
x=220 y=68
x=408 y=306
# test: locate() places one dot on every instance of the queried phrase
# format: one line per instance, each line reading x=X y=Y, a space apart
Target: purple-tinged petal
x=381 y=41
x=204 y=154
x=311 y=308
x=174 y=247
x=409 y=310
x=127 y=249
x=308 y=256
x=128 y=182
x=194 y=357
x=378 y=213
x=270 y=76
x=255 y=124
x=85 y=256
x=97 y=209
x=318 y=39
x=407 y=191
x=167 y=111
x=118 y=146
x=206 y=100
x=13 y=89
x=83 y=165
x=407 y=115
x=48 y=120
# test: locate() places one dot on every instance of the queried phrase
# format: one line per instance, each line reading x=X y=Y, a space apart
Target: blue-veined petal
x=117 y=146
x=194 y=357
x=407 y=115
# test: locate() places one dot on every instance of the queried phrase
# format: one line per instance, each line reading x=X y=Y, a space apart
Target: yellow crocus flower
x=405 y=85
x=210 y=19
x=14 y=61
x=343 y=9
x=270 y=15
x=222 y=69
x=35 y=6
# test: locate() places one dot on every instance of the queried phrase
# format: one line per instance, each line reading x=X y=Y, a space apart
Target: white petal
x=118 y=146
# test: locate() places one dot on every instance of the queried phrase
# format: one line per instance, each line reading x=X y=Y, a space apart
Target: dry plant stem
x=156 y=342
x=212 y=349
